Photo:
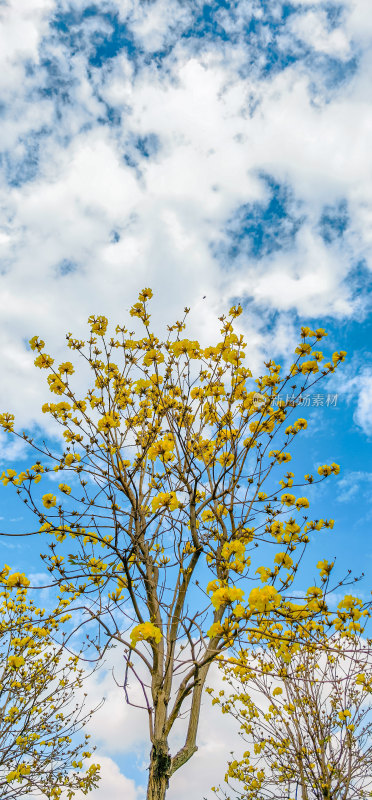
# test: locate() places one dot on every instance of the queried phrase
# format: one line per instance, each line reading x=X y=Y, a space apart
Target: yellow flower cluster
x=108 y=421
x=17 y=579
x=43 y=361
x=226 y=594
x=19 y=773
x=16 y=661
x=283 y=560
x=236 y=548
x=66 y=368
x=7 y=421
x=325 y=568
x=64 y=488
x=185 y=347
x=327 y=469
x=264 y=599
x=281 y=458
x=98 y=324
x=8 y=476
x=56 y=385
x=165 y=500
x=49 y=500
x=146 y=630
x=162 y=449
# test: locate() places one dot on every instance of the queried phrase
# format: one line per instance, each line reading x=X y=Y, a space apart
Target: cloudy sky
x=218 y=151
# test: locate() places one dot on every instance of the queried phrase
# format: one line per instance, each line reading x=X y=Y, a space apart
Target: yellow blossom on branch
x=146 y=630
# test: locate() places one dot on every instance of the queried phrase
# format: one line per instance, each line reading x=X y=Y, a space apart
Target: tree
x=307 y=720
x=38 y=720
x=168 y=452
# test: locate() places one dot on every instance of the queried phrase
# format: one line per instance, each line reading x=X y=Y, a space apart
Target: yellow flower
x=264 y=599
x=66 y=368
x=325 y=568
x=314 y=591
x=17 y=579
x=226 y=459
x=165 y=499
x=145 y=294
x=324 y=470
x=309 y=366
x=300 y=424
x=283 y=560
x=153 y=356
x=305 y=331
x=239 y=611
x=215 y=630
x=302 y=502
x=64 y=488
x=38 y=467
x=162 y=449
x=43 y=361
x=337 y=357
x=288 y=499
x=146 y=630
x=46 y=526
x=108 y=421
x=55 y=384
x=226 y=594
x=283 y=458
x=303 y=349
x=49 y=500
x=36 y=343
x=349 y=602
x=98 y=324
x=8 y=476
x=7 y=421
x=15 y=662
x=264 y=573
x=80 y=405
x=235 y=311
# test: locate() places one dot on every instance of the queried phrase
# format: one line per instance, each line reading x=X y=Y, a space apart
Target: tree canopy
x=171 y=495
x=307 y=720
x=40 y=714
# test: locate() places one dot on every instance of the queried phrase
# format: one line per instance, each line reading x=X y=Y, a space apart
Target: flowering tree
x=306 y=718
x=38 y=718
x=165 y=459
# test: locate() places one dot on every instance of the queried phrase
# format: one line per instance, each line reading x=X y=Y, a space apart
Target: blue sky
x=218 y=149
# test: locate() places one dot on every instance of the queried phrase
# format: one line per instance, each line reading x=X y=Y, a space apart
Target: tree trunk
x=159 y=772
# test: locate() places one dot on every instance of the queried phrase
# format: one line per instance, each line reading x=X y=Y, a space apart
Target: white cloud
x=217 y=737
x=354 y=483
x=358 y=390
x=113 y=784
x=61 y=258
x=152 y=23
x=308 y=276
x=363 y=413
x=358 y=21
x=11 y=449
x=118 y=729
x=313 y=29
